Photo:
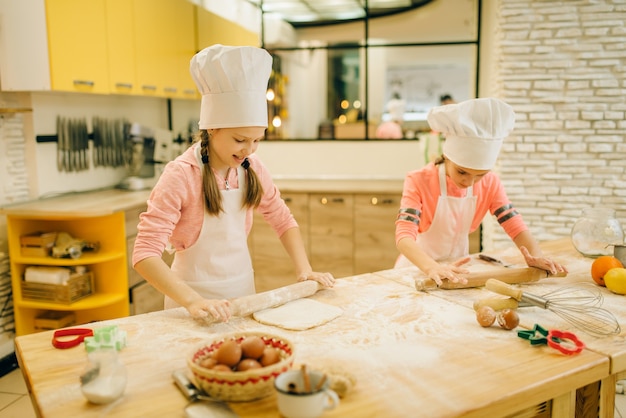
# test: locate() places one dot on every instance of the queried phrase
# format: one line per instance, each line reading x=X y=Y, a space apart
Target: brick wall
x=562 y=66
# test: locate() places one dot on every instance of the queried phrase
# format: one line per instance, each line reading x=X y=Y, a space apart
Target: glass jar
x=596 y=232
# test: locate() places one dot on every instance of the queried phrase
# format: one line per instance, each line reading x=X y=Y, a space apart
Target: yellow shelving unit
x=108 y=265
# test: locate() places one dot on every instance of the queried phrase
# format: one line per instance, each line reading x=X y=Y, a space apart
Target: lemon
x=615 y=280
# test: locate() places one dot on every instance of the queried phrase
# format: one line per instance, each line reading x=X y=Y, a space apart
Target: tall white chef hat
x=474 y=130
x=233 y=83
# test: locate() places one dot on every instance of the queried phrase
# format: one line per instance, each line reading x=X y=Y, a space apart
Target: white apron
x=218 y=265
x=448 y=235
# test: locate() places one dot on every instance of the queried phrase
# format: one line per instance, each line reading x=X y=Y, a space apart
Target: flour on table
x=299 y=314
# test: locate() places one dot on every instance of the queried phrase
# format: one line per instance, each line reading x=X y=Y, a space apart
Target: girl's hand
x=449 y=271
x=543 y=263
x=325 y=279
x=219 y=309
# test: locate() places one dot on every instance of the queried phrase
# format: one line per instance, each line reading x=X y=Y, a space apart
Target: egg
x=508 y=318
x=270 y=356
x=248 y=364
x=207 y=362
x=486 y=316
x=229 y=353
x=222 y=368
x=252 y=347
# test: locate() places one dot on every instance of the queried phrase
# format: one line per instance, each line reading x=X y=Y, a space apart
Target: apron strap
x=443 y=190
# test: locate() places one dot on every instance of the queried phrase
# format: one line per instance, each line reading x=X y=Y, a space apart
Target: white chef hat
x=233 y=83
x=474 y=130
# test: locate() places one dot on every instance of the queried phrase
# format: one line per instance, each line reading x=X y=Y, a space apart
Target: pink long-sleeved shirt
x=421 y=193
x=176 y=207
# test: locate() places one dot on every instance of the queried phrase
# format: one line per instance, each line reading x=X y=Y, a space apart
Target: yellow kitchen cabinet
x=374 y=231
x=108 y=264
x=272 y=266
x=121 y=47
x=165 y=41
x=331 y=231
x=77 y=44
x=214 y=29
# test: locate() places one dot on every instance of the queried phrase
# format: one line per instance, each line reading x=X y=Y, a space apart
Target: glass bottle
x=596 y=232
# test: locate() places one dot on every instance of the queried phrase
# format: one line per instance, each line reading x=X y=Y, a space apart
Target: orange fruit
x=601 y=265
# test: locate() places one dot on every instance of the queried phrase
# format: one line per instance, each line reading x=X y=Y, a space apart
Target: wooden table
x=613 y=346
x=412 y=353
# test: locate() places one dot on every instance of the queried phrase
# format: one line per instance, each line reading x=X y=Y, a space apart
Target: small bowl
x=240 y=386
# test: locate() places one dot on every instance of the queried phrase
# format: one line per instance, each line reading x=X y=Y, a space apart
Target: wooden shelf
x=109 y=266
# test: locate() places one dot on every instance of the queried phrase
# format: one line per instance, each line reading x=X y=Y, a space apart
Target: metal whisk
x=580 y=306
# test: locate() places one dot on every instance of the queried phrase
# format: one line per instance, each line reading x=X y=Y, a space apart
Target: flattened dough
x=298 y=314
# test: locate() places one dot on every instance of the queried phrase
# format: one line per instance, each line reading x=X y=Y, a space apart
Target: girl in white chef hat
x=447 y=199
x=203 y=202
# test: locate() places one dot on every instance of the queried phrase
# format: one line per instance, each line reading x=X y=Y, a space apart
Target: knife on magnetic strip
x=479 y=278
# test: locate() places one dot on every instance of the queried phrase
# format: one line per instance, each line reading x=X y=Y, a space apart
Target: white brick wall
x=562 y=66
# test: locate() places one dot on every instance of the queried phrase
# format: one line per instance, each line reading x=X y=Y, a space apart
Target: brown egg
x=222 y=368
x=248 y=364
x=508 y=318
x=486 y=316
x=207 y=362
x=229 y=353
x=252 y=347
x=270 y=356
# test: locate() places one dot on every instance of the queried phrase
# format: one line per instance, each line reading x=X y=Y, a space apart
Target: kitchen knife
x=479 y=278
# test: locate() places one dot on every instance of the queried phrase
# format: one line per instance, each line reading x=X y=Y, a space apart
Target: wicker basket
x=77 y=287
x=240 y=386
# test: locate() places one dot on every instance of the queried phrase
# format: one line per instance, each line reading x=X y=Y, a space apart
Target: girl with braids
x=447 y=199
x=203 y=202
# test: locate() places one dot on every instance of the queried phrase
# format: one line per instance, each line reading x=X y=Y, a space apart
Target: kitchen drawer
x=131 y=219
x=144 y=298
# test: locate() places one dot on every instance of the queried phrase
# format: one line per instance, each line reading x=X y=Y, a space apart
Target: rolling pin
x=479 y=278
x=247 y=305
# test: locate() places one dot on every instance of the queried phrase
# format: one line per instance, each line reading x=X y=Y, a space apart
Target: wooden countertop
x=107 y=201
x=409 y=351
x=95 y=203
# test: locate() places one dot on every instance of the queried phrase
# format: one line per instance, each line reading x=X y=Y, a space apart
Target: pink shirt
x=176 y=206
x=421 y=193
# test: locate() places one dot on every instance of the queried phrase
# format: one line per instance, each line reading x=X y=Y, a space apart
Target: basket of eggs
x=240 y=366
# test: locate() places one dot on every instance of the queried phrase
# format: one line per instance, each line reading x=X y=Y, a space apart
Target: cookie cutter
x=564 y=341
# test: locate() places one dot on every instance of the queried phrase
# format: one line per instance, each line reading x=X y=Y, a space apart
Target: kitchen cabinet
x=143 y=297
x=165 y=41
x=109 y=298
x=138 y=47
x=121 y=49
x=213 y=29
x=344 y=233
x=77 y=42
x=272 y=265
x=374 y=231
x=331 y=233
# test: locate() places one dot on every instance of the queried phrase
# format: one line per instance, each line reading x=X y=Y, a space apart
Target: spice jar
x=596 y=232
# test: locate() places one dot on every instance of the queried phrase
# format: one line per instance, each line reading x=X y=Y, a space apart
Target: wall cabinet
x=109 y=298
x=77 y=38
x=162 y=58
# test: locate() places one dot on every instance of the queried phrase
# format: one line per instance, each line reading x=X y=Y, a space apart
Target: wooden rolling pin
x=247 y=305
x=479 y=278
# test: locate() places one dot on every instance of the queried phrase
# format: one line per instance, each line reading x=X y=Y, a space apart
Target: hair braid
x=212 y=195
x=254 y=189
